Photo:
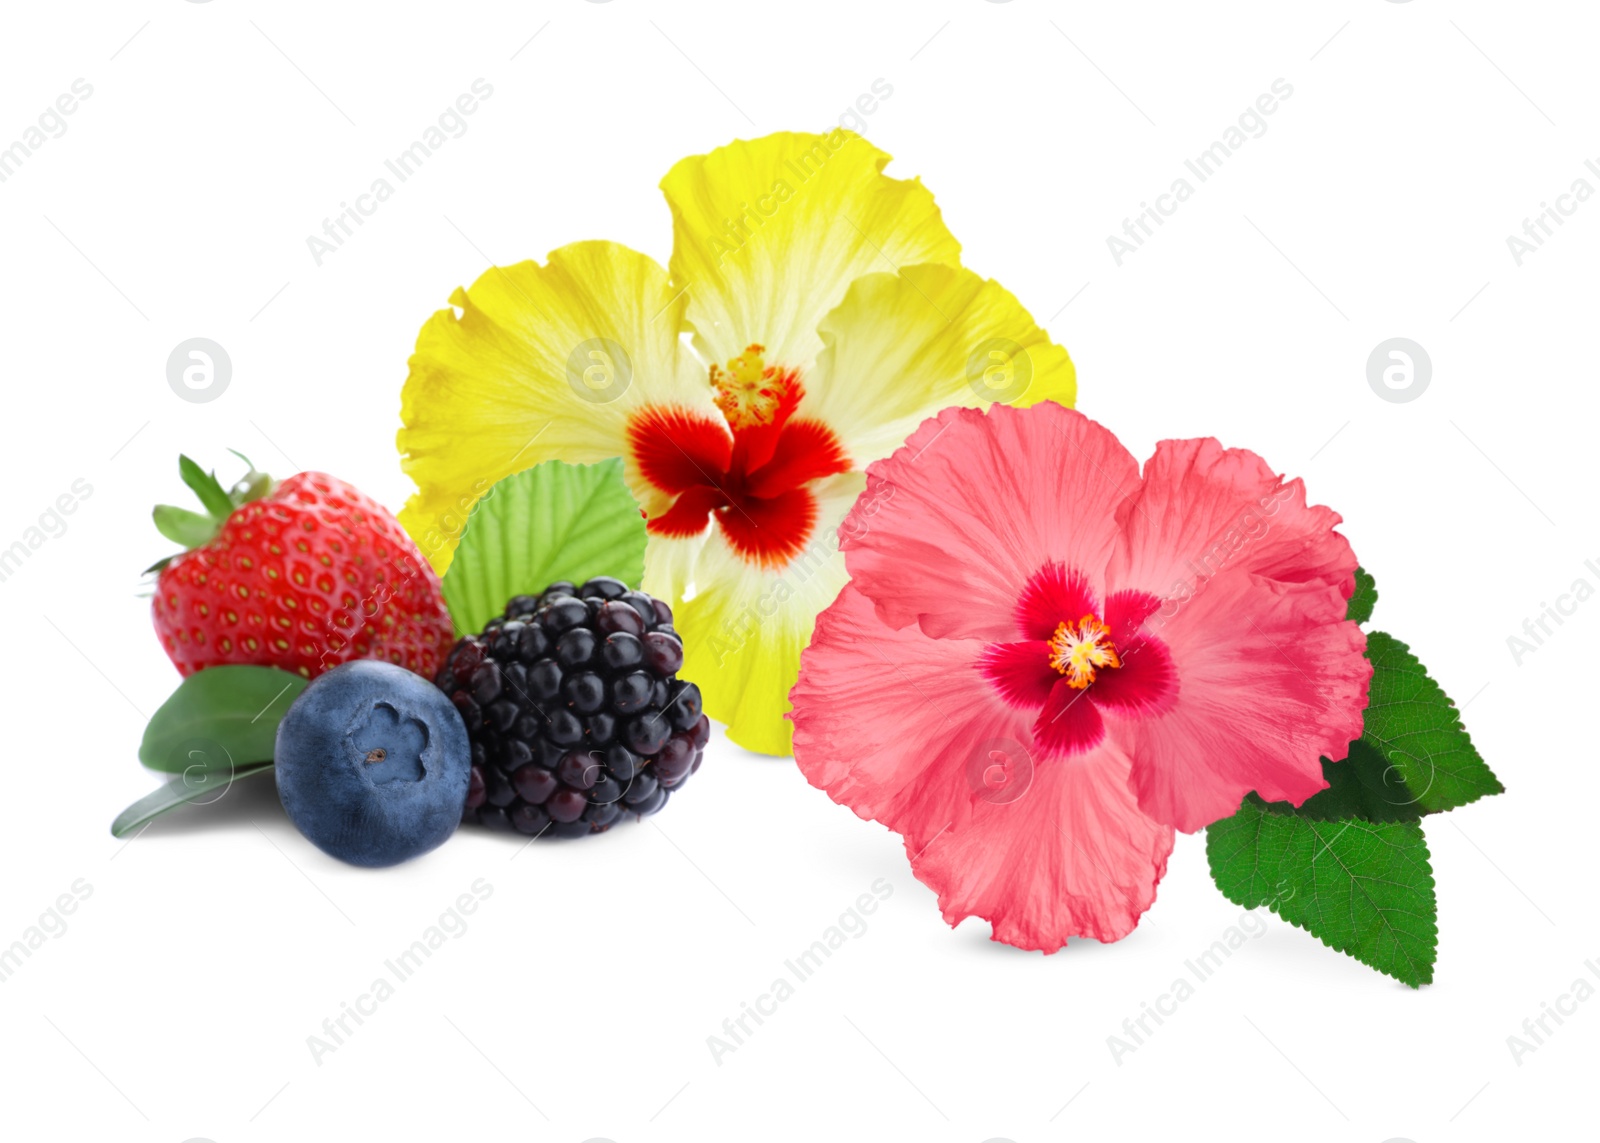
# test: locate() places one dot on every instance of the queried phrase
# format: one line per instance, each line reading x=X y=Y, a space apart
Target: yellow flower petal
x=900 y=347
x=543 y=362
x=769 y=233
x=744 y=628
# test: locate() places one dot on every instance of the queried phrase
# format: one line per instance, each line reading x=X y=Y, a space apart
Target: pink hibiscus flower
x=1046 y=661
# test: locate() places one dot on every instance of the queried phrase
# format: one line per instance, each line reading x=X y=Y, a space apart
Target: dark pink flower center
x=1077 y=660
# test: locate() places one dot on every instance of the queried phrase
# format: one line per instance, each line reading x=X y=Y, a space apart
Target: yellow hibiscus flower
x=829 y=316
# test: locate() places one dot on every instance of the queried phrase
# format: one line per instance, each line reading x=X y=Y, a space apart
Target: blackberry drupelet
x=574 y=709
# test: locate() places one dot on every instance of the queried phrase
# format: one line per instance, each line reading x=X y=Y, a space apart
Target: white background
x=577 y=1005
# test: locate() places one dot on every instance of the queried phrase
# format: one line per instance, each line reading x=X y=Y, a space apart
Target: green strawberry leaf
x=204 y=786
x=551 y=522
x=1361 y=603
x=219 y=718
x=184 y=527
x=212 y=494
x=1363 y=888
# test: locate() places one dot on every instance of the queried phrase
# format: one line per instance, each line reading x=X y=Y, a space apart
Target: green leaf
x=1363 y=888
x=219 y=717
x=184 y=527
x=212 y=495
x=1413 y=758
x=1364 y=786
x=1416 y=729
x=1361 y=603
x=551 y=522
x=206 y=786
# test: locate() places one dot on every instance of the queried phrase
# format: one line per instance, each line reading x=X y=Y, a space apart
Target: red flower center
x=1071 y=670
x=751 y=473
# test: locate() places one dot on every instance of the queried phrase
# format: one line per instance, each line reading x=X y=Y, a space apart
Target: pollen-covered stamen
x=1078 y=650
x=751 y=393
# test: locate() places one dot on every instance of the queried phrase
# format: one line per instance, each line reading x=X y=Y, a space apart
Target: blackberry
x=574 y=709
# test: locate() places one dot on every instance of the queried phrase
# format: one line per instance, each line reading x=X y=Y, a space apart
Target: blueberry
x=373 y=764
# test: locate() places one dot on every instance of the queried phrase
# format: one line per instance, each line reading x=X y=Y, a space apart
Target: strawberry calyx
x=196 y=529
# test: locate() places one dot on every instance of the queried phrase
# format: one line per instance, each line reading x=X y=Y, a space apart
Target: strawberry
x=302 y=575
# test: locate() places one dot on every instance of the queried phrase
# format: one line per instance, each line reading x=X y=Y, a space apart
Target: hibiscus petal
x=1071 y=857
x=689 y=515
x=895 y=725
x=745 y=626
x=1273 y=677
x=1054 y=595
x=770 y=532
x=902 y=346
x=1069 y=724
x=1021 y=672
x=805 y=450
x=953 y=526
x=1145 y=684
x=768 y=233
x=1126 y=612
x=676 y=450
x=512 y=380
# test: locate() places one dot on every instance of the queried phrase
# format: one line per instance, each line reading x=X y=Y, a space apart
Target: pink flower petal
x=953 y=526
x=1020 y=671
x=896 y=725
x=1054 y=595
x=1069 y=724
x=1272 y=677
x=1071 y=857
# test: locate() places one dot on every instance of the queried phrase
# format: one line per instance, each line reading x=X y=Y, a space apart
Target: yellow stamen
x=750 y=392
x=1077 y=650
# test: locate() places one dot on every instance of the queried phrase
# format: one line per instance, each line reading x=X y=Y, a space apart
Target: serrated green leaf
x=185 y=788
x=1366 y=596
x=181 y=526
x=1363 y=786
x=218 y=718
x=1413 y=758
x=1363 y=888
x=1412 y=724
x=204 y=484
x=551 y=522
